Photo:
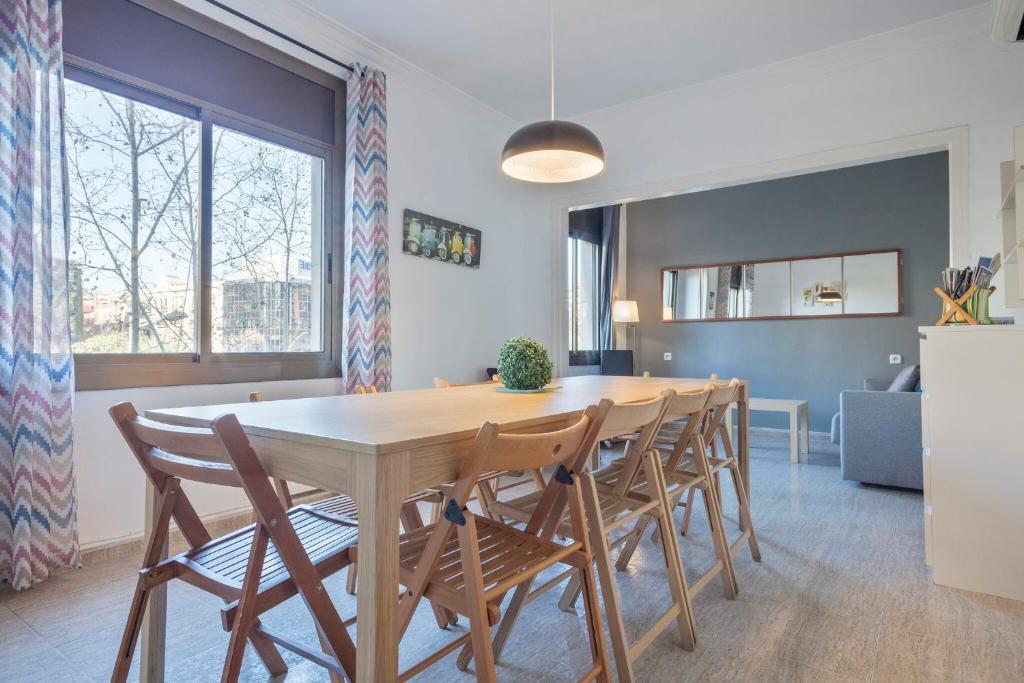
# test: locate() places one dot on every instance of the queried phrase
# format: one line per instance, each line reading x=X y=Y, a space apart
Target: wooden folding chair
x=285 y=553
x=715 y=432
x=468 y=562
x=614 y=497
x=489 y=484
x=341 y=505
x=686 y=470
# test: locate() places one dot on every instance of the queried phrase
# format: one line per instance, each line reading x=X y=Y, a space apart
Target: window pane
x=571 y=293
x=134 y=205
x=586 y=305
x=267 y=287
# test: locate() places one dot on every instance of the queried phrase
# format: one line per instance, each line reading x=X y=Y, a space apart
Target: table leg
x=794 y=436
x=805 y=430
x=743 y=439
x=381 y=484
x=154 y=623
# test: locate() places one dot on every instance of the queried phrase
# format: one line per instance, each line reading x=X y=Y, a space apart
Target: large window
x=133 y=182
x=200 y=248
x=584 y=269
x=267 y=253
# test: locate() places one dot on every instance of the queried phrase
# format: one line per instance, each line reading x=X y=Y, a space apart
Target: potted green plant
x=523 y=364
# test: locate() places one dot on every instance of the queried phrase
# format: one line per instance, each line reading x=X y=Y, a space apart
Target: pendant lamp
x=552 y=151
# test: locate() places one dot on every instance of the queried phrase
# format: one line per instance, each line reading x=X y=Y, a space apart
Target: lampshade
x=625 y=312
x=552 y=152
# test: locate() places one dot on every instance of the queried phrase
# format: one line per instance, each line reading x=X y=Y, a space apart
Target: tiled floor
x=842 y=594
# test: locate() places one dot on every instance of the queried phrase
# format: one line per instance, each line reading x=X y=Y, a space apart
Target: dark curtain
x=609 y=260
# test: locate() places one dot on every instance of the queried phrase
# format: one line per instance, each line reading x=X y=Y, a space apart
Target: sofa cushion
x=907 y=379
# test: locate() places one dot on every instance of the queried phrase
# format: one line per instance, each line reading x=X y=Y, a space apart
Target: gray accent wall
x=903 y=203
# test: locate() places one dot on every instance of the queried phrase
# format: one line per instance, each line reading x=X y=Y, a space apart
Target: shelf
x=1011 y=219
x=1012 y=254
x=1010 y=178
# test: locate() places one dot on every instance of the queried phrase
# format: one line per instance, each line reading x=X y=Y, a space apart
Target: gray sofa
x=879 y=435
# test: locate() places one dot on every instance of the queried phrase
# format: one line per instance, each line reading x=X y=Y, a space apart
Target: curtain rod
x=282 y=36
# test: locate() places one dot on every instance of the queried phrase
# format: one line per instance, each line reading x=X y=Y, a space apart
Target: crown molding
x=902 y=41
x=305 y=24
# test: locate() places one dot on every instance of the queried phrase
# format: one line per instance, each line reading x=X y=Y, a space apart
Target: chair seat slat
x=318 y=538
x=508 y=543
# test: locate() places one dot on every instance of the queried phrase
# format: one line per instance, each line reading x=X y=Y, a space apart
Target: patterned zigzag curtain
x=366 y=352
x=38 y=528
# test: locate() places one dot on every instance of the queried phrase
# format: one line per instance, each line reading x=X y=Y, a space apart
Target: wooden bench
x=799 y=434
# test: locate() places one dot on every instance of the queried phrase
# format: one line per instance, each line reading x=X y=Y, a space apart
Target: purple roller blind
x=139 y=42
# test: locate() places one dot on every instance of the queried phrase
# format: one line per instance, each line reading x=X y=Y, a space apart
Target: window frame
x=581 y=357
x=97 y=371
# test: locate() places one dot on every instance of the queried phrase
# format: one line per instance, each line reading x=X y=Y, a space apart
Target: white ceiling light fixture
x=552 y=151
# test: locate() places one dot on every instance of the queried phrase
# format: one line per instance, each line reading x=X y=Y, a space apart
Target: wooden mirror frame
x=899 y=287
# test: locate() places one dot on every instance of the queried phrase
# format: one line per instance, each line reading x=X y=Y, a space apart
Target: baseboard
x=776 y=431
x=216 y=524
x=135 y=545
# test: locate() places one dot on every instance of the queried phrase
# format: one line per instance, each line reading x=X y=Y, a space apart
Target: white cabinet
x=973 y=423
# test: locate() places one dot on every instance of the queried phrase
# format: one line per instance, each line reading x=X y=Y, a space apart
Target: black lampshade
x=552 y=152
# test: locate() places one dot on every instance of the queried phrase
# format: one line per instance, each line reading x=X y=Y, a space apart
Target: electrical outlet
x=668 y=355
x=895 y=358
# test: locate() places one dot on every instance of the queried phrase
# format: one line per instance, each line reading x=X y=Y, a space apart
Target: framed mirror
x=827 y=286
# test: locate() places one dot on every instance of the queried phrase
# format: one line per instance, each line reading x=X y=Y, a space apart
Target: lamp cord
x=551 y=17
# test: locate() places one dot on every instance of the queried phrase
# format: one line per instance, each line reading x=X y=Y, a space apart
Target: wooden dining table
x=379 y=448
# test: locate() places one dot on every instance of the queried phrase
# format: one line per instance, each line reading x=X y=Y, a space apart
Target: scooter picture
x=457 y=247
x=444 y=246
x=429 y=242
x=414 y=235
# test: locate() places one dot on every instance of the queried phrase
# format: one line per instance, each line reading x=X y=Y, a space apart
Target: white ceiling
x=610 y=51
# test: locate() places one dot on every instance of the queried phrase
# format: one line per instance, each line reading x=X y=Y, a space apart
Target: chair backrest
x=628 y=418
x=694 y=407
x=722 y=397
x=442 y=383
x=689 y=404
x=190 y=453
x=643 y=418
x=496 y=449
x=725 y=395
x=511 y=452
x=220 y=454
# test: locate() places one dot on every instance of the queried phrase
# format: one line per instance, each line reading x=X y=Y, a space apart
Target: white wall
x=449 y=320
x=443 y=156
x=929 y=76
x=110 y=484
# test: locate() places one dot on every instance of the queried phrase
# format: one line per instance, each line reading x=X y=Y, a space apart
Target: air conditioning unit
x=1008 y=20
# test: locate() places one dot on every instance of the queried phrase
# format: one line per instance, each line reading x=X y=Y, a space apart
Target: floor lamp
x=625 y=312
